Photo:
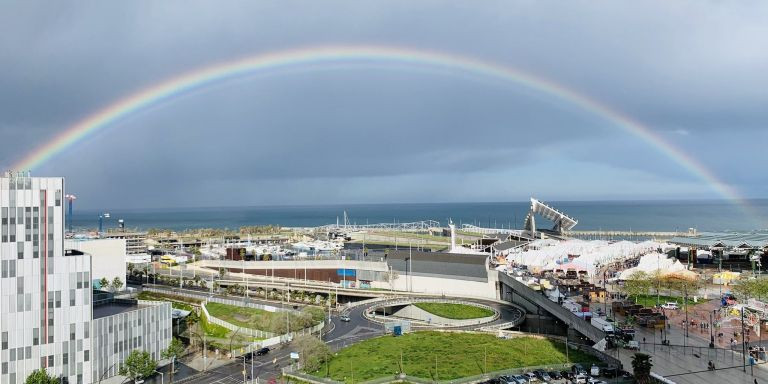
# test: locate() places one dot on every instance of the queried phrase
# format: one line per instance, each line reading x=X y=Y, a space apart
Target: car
x=345 y=318
x=594 y=371
x=609 y=372
x=531 y=377
x=578 y=369
x=580 y=379
x=670 y=305
x=566 y=375
x=520 y=379
x=544 y=376
x=555 y=375
x=262 y=351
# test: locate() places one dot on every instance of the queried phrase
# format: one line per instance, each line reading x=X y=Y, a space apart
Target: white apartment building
x=49 y=317
x=45 y=293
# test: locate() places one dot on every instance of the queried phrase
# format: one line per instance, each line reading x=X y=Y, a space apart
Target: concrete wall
x=108 y=256
x=445 y=286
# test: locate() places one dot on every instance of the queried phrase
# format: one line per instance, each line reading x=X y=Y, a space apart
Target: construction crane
x=70 y=200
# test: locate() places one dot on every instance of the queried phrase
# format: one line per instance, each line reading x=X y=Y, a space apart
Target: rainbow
x=351 y=55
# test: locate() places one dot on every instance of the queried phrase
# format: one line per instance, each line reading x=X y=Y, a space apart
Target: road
x=339 y=335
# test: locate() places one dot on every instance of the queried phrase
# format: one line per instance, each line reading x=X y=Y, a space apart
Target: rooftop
x=723 y=239
x=116 y=308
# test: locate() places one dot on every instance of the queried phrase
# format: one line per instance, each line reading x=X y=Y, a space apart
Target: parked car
x=544 y=376
x=633 y=345
x=520 y=379
x=566 y=375
x=579 y=369
x=344 y=318
x=262 y=351
x=610 y=372
x=555 y=375
x=594 y=371
x=670 y=306
x=580 y=379
x=531 y=377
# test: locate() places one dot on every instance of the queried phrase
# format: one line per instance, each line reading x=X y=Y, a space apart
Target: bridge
x=534 y=302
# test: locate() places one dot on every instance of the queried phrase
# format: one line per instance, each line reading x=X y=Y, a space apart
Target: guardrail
x=445 y=322
x=541 y=301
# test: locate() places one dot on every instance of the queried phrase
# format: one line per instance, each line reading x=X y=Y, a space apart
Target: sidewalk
x=685 y=360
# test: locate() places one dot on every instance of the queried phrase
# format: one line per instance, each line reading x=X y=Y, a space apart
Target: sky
x=693 y=72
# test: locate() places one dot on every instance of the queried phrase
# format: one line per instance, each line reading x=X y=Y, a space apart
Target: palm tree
x=641 y=367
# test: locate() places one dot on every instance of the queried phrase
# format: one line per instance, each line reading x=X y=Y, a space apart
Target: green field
x=455 y=311
x=178 y=302
x=650 y=300
x=275 y=322
x=455 y=354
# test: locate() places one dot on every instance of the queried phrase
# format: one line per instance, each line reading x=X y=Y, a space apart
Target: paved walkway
x=685 y=360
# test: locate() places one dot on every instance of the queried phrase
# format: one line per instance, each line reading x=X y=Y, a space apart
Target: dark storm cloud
x=692 y=71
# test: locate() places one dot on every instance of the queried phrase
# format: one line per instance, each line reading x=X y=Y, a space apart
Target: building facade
x=45 y=292
x=107 y=256
x=135 y=242
x=120 y=327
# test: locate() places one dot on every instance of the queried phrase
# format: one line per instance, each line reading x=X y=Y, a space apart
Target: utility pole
x=743 y=343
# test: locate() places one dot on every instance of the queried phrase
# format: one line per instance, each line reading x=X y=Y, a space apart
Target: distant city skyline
x=381 y=132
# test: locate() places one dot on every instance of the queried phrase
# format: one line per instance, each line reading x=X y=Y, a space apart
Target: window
x=4 y=268
x=50 y=361
x=20 y=286
x=28 y=352
x=86 y=355
x=5 y=340
x=13 y=354
x=72 y=297
x=35 y=336
x=86 y=330
x=71 y=331
x=58 y=299
x=11 y=268
x=20 y=250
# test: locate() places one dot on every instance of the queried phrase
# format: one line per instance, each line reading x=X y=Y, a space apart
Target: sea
x=709 y=215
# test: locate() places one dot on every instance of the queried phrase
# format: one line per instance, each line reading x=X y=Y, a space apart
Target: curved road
x=338 y=334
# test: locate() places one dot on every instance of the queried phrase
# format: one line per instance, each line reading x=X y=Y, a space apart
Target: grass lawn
x=650 y=300
x=213 y=330
x=178 y=302
x=253 y=318
x=457 y=355
x=455 y=311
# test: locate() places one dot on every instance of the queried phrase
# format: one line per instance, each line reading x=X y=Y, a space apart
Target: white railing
x=232 y=327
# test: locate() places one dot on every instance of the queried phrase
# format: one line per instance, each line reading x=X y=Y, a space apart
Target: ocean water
x=614 y=215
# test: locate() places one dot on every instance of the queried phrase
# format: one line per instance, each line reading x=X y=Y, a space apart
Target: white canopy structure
x=587 y=255
x=653 y=263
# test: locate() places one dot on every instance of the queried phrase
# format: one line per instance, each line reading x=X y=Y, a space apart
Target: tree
x=173 y=352
x=637 y=284
x=222 y=273
x=40 y=377
x=104 y=283
x=117 y=284
x=641 y=367
x=312 y=352
x=130 y=268
x=138 y=365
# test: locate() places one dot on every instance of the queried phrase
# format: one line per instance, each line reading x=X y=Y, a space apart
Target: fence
x=436 y=319
x=294 y=373
x=215 y=299
x=278 y=339
x=245 y=331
